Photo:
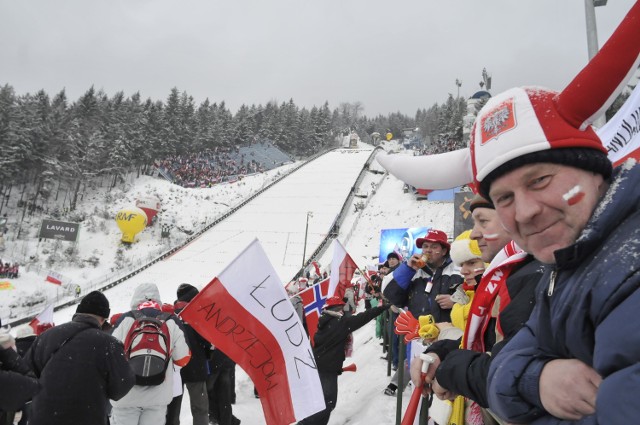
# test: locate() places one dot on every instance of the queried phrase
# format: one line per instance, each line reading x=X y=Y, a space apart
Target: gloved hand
x=6 y=339
x=428 y=329
x=407 y=325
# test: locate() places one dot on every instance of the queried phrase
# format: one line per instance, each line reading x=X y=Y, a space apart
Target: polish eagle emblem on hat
x=497 y=121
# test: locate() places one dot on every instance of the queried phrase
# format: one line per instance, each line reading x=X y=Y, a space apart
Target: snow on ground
x=99 y=236
x=278 y=219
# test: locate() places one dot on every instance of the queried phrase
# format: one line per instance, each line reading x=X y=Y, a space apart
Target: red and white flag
x=246 y=313
x=46 y=316
x=313 y=300
x=316 y=267
x=342 y=269
x=54 y=278
x=621 y=134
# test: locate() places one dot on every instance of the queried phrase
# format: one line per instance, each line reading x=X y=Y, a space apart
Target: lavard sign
x=62 y=230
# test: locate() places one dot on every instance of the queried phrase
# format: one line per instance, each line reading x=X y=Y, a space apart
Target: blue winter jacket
x=591 y=316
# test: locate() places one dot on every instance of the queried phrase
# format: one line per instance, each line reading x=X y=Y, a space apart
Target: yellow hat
x=464 y=248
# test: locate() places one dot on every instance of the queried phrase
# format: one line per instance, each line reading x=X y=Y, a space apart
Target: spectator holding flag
x=536 y=156
x=330 y=343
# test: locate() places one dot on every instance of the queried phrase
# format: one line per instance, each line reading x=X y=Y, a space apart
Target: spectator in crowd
x=424 y=285
x=209 y=167
x=506 y=298
x=536 y=156
x=17 y=383
x=147 y=404
x=578 y=357
x=220 y=387
x=330 y=341
x=80 y=368
x=194 y=374
x=25 y=335
x=392 y=263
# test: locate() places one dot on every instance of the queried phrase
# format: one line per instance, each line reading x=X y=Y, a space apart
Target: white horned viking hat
x=529 y=124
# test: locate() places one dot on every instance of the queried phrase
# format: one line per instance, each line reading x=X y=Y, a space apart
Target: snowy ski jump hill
x=277 y=218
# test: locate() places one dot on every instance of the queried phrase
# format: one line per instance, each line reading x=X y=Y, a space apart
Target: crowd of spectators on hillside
x=221 y=164
x=441 y=146
x=204 y=169
x=8 y=270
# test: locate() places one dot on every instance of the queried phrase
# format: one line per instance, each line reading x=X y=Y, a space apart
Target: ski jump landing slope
x=277 y=218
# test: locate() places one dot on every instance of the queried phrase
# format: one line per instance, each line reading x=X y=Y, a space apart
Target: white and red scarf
x=492 y=283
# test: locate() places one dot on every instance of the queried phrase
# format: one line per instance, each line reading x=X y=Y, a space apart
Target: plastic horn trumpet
x=350 y=368
x=414 y=401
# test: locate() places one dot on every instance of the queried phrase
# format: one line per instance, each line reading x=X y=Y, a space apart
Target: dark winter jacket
x=80 y=368
x=220 y=360
x=197 y=369
x=332 y=334
x=23 y=344
x=590 y=314
x=408 y=288
x=465 y=371
x=16 y=386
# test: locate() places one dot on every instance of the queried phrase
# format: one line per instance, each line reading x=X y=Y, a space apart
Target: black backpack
x=148 y=347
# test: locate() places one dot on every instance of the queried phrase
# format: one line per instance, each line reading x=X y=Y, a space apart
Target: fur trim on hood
x=145 y=292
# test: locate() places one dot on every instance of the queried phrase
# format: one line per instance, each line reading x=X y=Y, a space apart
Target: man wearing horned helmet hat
x=548 y=175
x=534 y=153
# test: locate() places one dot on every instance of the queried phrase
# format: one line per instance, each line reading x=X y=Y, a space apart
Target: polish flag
x=621 y=135
x=313 y=300
x=246 y=313
x=316 y=266
x=342 y=269
x=54 y=278
x=46 y=316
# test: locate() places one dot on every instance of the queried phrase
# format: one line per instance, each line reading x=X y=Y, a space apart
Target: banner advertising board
x=462 y=219
x=402 y=241
x=61 y=230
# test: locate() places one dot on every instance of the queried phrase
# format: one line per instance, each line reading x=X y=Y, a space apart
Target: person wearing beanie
x=186 y=292
x=536 y=156
x=148 y=403
x=487 y=230
x=94 y=303
x=502 y=302
x=194 y=374
x=465 y=254
x=393 y=256
x=79 y=367
x=330 y=345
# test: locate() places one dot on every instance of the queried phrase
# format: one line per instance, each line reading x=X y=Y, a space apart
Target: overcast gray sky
x=392 y=55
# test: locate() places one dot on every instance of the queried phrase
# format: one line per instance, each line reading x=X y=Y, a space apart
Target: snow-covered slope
x=278 y=219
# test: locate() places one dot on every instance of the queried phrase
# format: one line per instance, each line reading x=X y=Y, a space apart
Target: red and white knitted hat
x=526 y=125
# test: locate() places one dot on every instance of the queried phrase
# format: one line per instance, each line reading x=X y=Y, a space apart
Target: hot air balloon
x=131 y=221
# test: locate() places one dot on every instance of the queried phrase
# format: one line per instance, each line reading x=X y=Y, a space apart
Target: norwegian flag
x=313 y=300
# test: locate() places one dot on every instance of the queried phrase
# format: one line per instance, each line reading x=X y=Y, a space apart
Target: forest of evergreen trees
x=48 y=142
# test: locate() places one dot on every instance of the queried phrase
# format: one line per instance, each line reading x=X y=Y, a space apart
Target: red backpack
x=148 y=348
